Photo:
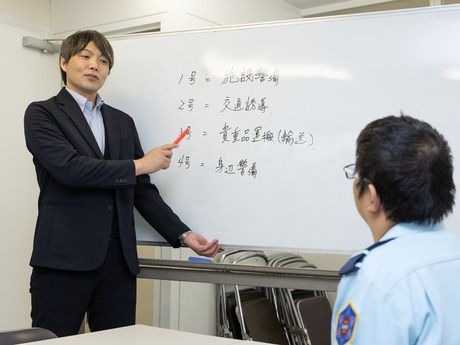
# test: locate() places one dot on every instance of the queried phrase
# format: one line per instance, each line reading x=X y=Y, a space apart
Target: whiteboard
x=274 y=112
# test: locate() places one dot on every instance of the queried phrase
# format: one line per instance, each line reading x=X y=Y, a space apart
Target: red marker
x=180 y=137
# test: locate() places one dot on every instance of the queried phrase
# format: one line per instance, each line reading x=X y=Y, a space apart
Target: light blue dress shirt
x=406 y=291
x=93 y=115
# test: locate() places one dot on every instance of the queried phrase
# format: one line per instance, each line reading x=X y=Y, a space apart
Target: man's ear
x=374 y=204
x=63 y=64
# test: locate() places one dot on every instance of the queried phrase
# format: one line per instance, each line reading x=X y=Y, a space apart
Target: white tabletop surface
x=142 y=335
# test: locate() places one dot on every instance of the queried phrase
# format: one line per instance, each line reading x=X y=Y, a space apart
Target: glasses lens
x=350 y=171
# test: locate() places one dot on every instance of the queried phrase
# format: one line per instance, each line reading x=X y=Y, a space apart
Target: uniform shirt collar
x=397 y=231
x=405 y=229
x=84 y=102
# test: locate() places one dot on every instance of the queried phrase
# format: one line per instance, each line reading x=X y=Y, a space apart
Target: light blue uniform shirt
x=93 y=115
x=406 y=292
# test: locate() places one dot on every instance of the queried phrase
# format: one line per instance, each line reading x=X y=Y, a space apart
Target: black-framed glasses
x=350 y=171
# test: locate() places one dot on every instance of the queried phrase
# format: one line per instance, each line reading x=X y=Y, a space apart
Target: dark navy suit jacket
x=80 y=190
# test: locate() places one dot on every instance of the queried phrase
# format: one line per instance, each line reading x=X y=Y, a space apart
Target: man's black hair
x=410 y=164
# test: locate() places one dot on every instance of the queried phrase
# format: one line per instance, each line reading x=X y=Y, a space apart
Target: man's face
x=86 y=71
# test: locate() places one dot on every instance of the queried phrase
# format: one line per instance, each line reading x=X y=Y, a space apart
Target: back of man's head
x=410 y=164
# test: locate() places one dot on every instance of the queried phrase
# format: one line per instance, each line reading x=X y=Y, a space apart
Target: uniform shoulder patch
x=347 y=319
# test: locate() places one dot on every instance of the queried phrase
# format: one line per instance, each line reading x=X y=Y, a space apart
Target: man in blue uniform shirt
x=405 y=288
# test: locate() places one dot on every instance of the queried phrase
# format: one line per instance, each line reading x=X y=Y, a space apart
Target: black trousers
x=107 y=294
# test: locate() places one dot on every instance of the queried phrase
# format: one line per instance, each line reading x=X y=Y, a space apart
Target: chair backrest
x=262 y=323
x=27 y=335
x=316 y=314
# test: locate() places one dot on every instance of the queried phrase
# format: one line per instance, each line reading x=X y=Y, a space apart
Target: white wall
x=115 y=15
x=35 y=12
x=27 y=75
x=67 y=16
x=214 y=13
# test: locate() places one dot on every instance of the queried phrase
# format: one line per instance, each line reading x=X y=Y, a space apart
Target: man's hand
x=154 y=160
x=201 y=246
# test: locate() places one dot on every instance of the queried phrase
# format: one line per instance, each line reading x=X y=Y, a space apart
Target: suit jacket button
x=109 y=207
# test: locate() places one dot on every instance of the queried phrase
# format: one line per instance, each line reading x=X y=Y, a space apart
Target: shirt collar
x=83 y=101
x=405 y=229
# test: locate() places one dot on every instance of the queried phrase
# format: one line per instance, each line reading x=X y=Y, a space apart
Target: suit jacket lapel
x=112 y=132
x=71 y=108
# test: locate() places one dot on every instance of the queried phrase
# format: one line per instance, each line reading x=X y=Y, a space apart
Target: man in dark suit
x=91 y=171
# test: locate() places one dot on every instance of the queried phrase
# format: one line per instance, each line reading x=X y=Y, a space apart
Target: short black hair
x=410 y=164
x=76 y=42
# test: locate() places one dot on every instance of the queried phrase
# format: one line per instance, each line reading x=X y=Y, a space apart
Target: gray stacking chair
x=247 y=314
x=305 y=315
x=224 y=329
